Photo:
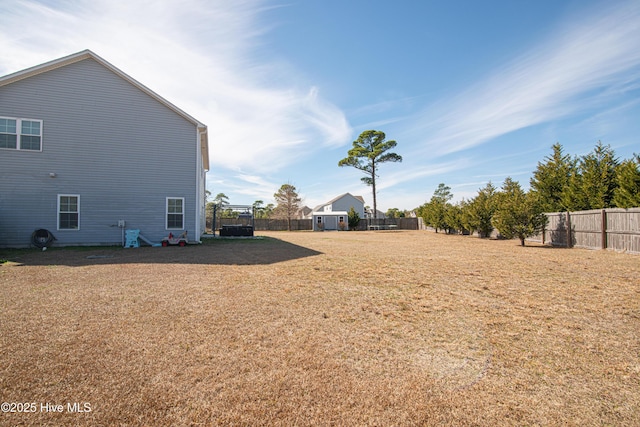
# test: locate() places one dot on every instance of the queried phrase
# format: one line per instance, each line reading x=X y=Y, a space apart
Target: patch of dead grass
x=353 y=328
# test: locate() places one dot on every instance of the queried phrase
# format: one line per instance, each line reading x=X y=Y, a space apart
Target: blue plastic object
x=132 y=239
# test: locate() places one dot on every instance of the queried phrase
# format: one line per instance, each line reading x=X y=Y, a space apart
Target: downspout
x=198 y=163
x=200 y=212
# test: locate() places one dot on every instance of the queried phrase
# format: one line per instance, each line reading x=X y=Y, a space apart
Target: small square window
x=7 y=125
x=30 y=143
x=8 y=134
x=8 y=141
x=30 y=127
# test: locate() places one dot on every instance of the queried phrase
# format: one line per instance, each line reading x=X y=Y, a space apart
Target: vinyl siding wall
x=120 y=150
x=346 y=202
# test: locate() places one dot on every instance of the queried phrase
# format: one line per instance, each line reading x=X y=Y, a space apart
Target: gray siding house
x=343 y=202
x=329 y=215
x=86 y=151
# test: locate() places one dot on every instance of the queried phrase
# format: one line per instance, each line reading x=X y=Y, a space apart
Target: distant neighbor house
x=87 y=151
x=304 y=212
x=329 y=215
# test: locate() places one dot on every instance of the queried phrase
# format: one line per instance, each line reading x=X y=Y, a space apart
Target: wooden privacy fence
x=281 y=224
x=614 y=229
x=265 y=224
x=389 y=223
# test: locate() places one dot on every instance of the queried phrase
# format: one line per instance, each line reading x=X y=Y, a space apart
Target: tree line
x=560 y=183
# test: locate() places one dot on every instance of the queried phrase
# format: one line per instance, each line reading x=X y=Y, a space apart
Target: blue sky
x=471 y=91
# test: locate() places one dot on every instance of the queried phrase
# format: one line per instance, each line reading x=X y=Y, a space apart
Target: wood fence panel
x=623 y=229
x=614 y=229
x=281 y=224
x=264 y=224
x=408 y=223
x=556 y=231
x=586 y=227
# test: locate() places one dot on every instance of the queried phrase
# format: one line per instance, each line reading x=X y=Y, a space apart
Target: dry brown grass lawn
x=336 y=328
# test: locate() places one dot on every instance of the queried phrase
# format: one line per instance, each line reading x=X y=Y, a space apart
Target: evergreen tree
x=551 y=179
x=267 y=211
x=598 y=170
x=353 y=218
x=467 y=219
x=217 y=205
x=368 y=151
x=627 y=192
x=518 y=214
x=433 y=212
x=480 y=210
x=592 y=182
x=394 y=213
x=573 y=196
x=258 y=209
x=221 y=199
x=453 y=218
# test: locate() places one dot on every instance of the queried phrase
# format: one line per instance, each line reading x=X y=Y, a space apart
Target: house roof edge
x=88 y=54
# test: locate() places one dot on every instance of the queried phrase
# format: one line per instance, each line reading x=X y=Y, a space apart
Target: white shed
x=330 y=220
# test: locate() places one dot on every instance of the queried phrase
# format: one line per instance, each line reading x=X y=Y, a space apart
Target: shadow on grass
x=548 y=247
x=539 y=245
x=262 y=251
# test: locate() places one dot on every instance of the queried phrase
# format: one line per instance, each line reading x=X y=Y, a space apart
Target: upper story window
x=20 y=134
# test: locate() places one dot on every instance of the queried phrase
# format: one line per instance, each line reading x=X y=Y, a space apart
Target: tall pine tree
x=593 y=182
x=627 y=193
x=367 y=153
x=518 y=214
x=599 y=177
x=480 y=210
x=551 y=179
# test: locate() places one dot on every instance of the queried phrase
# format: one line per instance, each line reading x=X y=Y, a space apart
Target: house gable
x=345 y=201
x=87 y=54
x=122 y=149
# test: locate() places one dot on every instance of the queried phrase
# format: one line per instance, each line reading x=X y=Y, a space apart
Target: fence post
x=603 y=237
x=569 y=241
x=213 y=222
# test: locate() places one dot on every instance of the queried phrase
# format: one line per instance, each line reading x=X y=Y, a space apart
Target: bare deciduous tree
x=288 y=203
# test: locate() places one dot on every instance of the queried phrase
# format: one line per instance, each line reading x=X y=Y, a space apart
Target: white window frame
x=19 y=134
x=166 y=213
x=77 y=196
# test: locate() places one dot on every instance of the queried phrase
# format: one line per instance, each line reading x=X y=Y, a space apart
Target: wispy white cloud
x=605 y=120
x=256 y=186
x=212 y=59
x=414 y=172
x=202 y=55
x=387 y=105
x=574 y=70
